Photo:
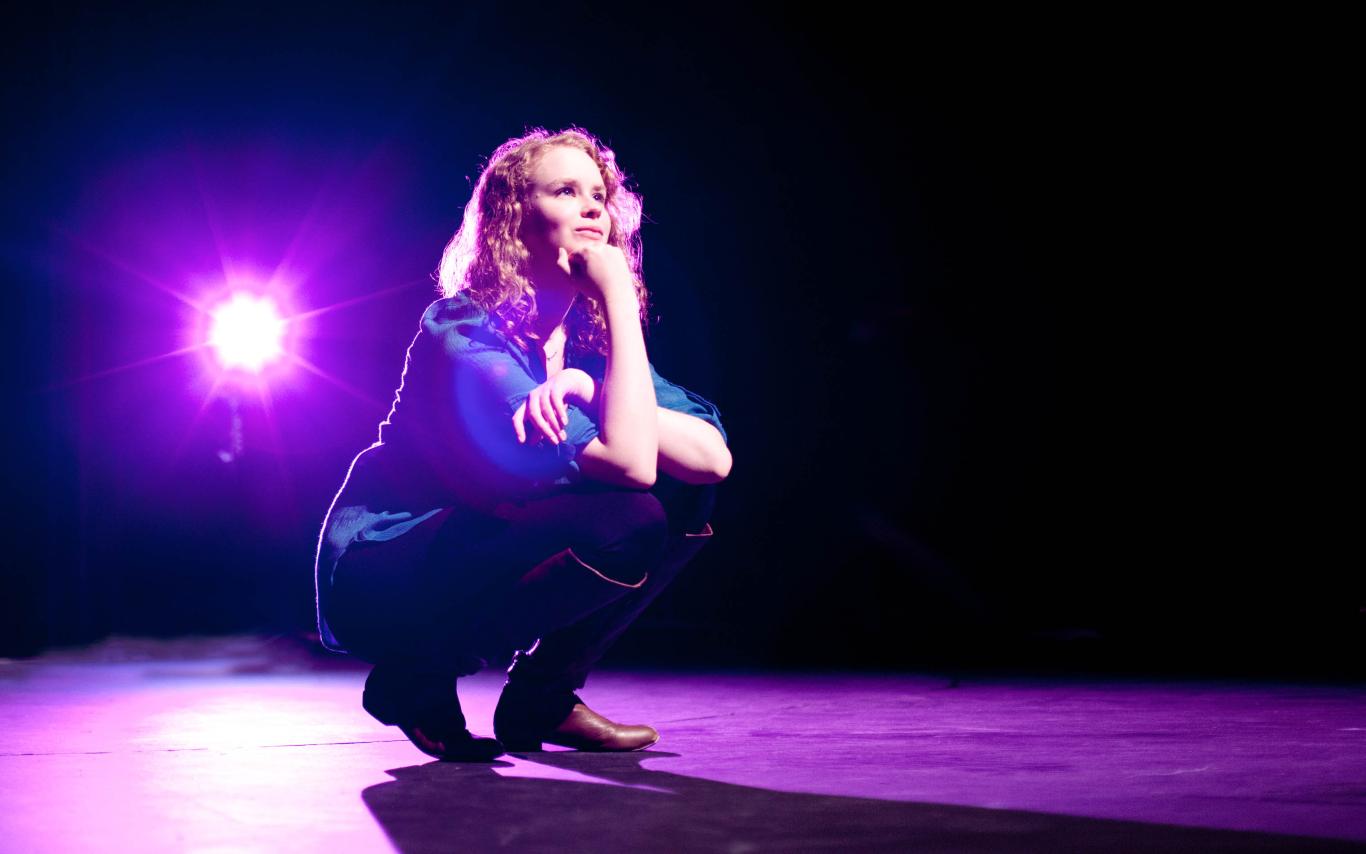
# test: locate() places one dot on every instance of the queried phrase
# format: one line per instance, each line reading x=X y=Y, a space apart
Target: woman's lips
x=593 y=231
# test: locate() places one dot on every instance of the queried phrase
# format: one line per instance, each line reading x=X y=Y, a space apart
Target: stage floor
x=252 y=744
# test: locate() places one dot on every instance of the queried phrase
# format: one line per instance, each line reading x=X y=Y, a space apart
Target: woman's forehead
x=565 y=163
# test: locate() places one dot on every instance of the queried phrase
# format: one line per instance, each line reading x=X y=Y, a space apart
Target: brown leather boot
x=425 y=707
x=583 y=729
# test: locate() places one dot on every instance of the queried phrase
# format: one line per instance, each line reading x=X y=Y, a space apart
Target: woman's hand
x=599 y=271
x=546 y=406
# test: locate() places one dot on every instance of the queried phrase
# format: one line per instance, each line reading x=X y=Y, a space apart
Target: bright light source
x=247 y=332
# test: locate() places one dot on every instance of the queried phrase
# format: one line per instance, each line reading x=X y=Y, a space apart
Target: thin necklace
x=549 y=355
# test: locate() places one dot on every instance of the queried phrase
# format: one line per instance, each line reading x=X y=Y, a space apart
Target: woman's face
x=567 y=206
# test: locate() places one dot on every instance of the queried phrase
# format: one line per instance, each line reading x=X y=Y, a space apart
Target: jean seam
x=604 y=577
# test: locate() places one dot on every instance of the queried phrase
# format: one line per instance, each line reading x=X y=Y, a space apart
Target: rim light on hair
x=488 y=259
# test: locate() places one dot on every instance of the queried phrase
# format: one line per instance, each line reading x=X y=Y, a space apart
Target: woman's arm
x=690 y=449
x=627 y=447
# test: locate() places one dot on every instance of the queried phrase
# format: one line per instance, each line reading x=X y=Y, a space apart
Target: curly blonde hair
x=487 y=257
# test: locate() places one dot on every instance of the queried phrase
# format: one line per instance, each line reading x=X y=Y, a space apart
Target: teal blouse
x=448 y=438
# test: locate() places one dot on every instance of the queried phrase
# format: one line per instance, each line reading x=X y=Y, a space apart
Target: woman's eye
x=569 y=190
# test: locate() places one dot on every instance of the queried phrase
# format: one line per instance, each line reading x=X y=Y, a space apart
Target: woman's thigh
x=444 y=570
x=613 y=530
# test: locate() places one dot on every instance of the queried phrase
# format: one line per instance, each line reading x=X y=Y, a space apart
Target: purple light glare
x=247 y=332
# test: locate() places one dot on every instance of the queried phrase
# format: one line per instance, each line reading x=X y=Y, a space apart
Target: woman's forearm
x=628 y=425
x=690 y=449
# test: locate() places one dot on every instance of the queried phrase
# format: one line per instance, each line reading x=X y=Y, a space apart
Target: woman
x=536 y=483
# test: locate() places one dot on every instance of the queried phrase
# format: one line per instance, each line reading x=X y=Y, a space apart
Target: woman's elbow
x=718 y=471
x=641 y=478
x=718 y=453
x=721 y=470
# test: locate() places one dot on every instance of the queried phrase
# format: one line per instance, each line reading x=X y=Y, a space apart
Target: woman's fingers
x=536 y=410
x=552 y=418
x=529 y=408
x=548 y=411
x=563 y=261
x=555 y=416
x=561 y=410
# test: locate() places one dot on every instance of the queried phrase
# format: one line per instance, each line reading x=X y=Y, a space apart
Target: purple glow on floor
x=239 y=744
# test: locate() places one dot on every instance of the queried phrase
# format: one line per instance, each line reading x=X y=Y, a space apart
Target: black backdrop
x=1011 y=320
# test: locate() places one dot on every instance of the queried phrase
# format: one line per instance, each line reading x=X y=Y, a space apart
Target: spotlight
x=247 y=332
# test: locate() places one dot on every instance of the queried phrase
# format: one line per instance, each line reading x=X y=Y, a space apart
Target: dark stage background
x=1016 y=324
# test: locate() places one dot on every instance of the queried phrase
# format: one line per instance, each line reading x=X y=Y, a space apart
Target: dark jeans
x=425 y=604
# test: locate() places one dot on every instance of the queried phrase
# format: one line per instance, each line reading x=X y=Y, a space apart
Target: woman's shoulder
x=460 y=325
x=452 y=311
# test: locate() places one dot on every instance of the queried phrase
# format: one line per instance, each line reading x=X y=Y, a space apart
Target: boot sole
x=476 y=750
x=539 y=747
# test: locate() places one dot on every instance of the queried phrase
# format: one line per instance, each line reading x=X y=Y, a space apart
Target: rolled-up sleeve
x=580 y=428
x=489 y=383
x=679 y=399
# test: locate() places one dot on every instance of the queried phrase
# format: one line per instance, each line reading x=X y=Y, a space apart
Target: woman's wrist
x=621 y=296
x=585 y=390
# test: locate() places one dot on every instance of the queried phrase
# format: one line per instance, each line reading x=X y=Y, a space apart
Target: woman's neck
x=554 y=296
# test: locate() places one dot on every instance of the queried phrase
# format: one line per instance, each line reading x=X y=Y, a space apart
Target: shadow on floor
x=608 y=802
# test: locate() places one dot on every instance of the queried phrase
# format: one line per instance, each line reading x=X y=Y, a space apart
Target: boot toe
x=452 y=745
x=585 y=729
